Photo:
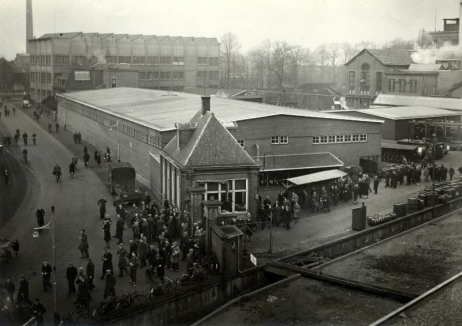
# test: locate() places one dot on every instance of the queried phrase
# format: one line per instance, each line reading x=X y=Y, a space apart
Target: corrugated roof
x=408 y=112
x=210 y=144
x=301 y=161
x=316 y=177
x=433 y=102
x=161 y=110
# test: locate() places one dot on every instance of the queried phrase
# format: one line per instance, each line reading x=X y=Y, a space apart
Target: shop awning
x=299 y=162
x=315 y=177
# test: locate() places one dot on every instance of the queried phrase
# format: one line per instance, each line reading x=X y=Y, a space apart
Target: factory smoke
x=429 y=55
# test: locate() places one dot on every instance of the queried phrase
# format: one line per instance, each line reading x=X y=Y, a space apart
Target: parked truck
x=122 y=183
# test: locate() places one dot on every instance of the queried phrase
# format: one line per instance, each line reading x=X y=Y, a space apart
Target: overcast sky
x=308 y=23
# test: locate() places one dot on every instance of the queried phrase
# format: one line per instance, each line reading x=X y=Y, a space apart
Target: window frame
x=274 y=140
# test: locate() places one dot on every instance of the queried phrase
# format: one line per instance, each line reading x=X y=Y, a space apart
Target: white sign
x=253 y=259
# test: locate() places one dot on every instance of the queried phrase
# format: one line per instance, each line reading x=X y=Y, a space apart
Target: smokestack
x=29 y=24
x=205 y=104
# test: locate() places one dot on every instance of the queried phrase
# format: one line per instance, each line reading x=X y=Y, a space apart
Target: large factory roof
x=161 y=109
x=408 y=112
x=433 y=102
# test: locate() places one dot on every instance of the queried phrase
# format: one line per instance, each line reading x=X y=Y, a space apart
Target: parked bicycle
x=81 y=316
x=130 y=299
x=162 y=287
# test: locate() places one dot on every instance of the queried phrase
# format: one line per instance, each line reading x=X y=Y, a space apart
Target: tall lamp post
x=51 y=226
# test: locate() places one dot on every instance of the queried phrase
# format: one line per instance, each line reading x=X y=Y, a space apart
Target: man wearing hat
x=90 y=273
x=83 y=246
x=23 y=291
x=83 y=294
x=71 y=274
x=111 y=281
x=38 y=310
x=122 y=264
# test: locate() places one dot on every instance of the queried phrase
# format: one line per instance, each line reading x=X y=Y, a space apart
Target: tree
x=321 y=57
x=230 y=47
x=334 y=55
x=399 y=43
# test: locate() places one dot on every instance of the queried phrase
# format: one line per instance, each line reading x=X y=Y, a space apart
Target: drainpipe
x=258 y=152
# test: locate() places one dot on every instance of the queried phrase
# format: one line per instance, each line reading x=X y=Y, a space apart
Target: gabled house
x=204 y=153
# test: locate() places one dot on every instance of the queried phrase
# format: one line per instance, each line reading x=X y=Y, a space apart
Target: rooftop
x=388 y=57
x=424 y=67
x=301 y=161
x=432 y=102
x=408 y=112
x=161 y=109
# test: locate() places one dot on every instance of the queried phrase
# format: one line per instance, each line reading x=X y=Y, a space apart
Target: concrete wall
x=191 y=303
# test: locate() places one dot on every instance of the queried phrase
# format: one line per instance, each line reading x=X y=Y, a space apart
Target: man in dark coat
x=23 y=291
x=83 y=294
x=86 y=158
x=71 y=274
x=122 y=254
x=102 y=207
x=40 y=214
x=109 y=288
x=90 y=274
x=83 y=246
x=120 y=225
x=107 y=262
x=37 y=311
x=46 y=275
x=376 y=184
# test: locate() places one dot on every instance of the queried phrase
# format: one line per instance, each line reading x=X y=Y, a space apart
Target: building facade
x=365 y=74
x=162 y=62
x=12 y=78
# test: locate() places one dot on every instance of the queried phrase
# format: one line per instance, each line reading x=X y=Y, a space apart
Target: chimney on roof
x=183 y=133
x=205 y=104
x=29 y=24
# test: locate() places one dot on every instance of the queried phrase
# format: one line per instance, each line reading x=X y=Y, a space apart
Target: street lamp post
x=51 y=226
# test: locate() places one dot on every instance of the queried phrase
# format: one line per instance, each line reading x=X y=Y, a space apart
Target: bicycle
x=150 y=273
x=80 y=316
x=105 y=307
x=127 y=300
x=162 y=288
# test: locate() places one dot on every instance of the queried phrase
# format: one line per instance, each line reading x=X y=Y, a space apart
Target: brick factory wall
x=154 y=176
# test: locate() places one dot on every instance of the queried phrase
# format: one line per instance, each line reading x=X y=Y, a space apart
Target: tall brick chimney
x=29 y=24
x=205 y=104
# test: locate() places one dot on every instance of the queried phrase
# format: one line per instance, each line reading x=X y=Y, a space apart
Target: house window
x=316 y=140
x=351 y=80
x=331 y=139
x=402 y=85
x=142 y=75
x=363 y=137
x=82 y=75
x=284 y=139
x=241 y=142
x=339 y=139
x=274 y=139
x=413 y=86
x=391 y=85
x=365 y=82
x=178 y=61
x=347 y=138
x=378 y=81
x=202 y=61
x=165 y=60
x=323 y=139
x=213 y=61
x=355 y=138
x=233 y=194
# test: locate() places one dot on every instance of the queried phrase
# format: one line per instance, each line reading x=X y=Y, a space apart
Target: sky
x=308 y=23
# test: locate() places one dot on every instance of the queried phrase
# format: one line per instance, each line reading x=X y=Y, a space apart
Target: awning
x=316 y=177
x=299 y=162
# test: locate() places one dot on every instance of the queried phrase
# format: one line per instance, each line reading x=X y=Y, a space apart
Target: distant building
x=365 y=74
x=162 y=62
x=12 y=78
x=22 y=61
x=449 y=34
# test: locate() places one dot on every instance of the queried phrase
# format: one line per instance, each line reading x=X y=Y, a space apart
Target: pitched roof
x=388 y=57
x=301 y=161
x=210 y=144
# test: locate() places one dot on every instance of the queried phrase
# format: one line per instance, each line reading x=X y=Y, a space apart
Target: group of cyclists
x=72 y=168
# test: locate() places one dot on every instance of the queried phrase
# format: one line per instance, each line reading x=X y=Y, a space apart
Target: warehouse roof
x=300 y=161
x=433 y=102
x=408 y=112
x=161 y=109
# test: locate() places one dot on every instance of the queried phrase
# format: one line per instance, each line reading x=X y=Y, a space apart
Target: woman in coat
x=297 y=209
x=107 y=231
x=175 y=257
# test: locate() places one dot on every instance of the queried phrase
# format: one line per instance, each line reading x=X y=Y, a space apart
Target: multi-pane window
x=142 y=75
x=351 y=80
x=65 y=59
x=155 y=75
x=378 y=81
x=391 y=85
x=202 y=61
x=178 y=75
x=279 y=139
x=323 y=139
x=402 y=85
x=178 y=61
x=332 y=139
x=365 y=81
x=233 y=194
x=213 y=75
x=339 y=138
x=202 y=74
x=274 y=139
x=241 y=142
x=152 y=60
x=49 y=78
x=413 y=86
x=165 y=60
x=213 y=61
x=355 y=138
x=363 y=137
x=316 y=140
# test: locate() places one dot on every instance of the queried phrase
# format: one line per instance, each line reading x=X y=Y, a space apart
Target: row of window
x=45 y=60
x=279 y=140
x=39 y=94
x=161 y=75
x=400 y=85
x=44 y=77
x=207 y=75
x=357 y=138
x=120 y=127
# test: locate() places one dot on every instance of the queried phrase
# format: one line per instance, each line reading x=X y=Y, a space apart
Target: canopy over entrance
x=315 y=177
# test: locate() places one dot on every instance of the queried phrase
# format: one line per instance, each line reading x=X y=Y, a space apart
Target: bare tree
x=321 y=57
x=230 y=47
x=399 y=43
x=334 y=54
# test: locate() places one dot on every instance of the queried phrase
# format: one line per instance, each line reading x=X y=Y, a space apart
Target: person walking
x=122 y=254
x=102 y=207
x=83 y=246
x=23 y=291
x=107 y=230
x=97 y=157
x=109 y=288
x=40 y=214
x=86 y=158
x=107 y=262
x=376 y=184
x=90 y=274
x=133 y=268
x=451 y=173
x=46 y=275
x=120 y=226
x=38 y=310
x=9 y=288
x=71 y=275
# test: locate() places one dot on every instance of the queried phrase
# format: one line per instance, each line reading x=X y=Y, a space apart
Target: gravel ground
x=307 y=302
x=412 y=262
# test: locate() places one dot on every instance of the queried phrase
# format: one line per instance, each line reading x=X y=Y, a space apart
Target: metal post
x=54 y=255
x=433 y=172
x=270 y=252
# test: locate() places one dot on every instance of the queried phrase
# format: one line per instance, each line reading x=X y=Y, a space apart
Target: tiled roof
x=392 y=57
x=300 y=161
x=210 y=144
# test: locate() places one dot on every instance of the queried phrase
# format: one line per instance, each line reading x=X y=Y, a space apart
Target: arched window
x=365 y=77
